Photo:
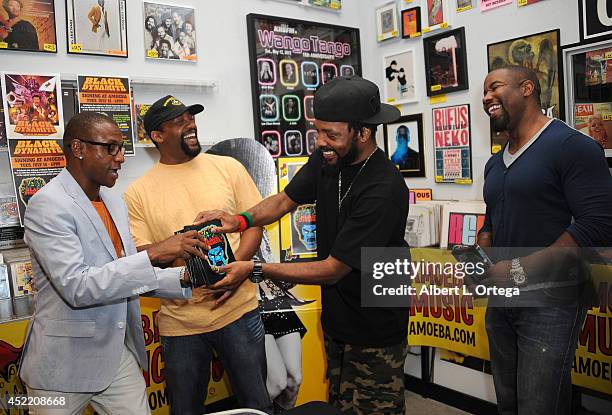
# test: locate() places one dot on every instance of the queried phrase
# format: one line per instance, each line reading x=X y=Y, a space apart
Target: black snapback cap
x=352 y=99
x=165 y=109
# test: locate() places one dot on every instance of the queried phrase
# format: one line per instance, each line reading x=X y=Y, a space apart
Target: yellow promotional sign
x=457 y=322
x=451 y=321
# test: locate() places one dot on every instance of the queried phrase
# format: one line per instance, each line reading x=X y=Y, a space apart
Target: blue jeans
x=241 y=348
x=532 y=350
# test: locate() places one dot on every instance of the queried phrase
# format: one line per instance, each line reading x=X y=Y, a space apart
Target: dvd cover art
x=32 y=107
x=21 y=275
x=598 y=67
x=304 y=230
x=28 y=25
x=142 y=138
x=9 y=213
x=204 y=272
x=595 y=120
x=97 y=27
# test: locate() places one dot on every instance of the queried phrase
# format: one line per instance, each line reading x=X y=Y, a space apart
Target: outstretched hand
x=229 y=223
x=235 y=274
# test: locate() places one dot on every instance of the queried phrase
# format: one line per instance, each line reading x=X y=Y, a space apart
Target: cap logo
x=174 y=102
x=374 y=104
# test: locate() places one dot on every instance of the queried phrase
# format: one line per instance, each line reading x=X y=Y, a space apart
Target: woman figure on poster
x=597 y=130
x=401 y=82
x=265 y=73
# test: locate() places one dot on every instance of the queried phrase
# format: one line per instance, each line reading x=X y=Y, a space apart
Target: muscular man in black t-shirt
x=361 y=201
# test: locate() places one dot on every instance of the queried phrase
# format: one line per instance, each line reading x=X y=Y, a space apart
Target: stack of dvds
x=205 y=272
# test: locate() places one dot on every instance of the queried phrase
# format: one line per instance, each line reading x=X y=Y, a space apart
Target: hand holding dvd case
x=473 y=254
x=203 y=272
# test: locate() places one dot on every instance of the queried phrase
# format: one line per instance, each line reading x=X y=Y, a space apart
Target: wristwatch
x=257 y=275
x=517 y=273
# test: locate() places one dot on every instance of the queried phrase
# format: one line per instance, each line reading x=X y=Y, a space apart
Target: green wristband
x=249 y=219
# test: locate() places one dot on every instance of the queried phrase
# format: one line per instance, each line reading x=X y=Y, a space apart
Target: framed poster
x=28 y=26
x=595 y=20
x=404 y=145
x=486 y=5
x=464 y=5
x=542 y=53
x=289 y=60
x=452 y=144
x=411 y=22
x=386 y=22
x=170 y=32
x=436 y=15
x=446 y=62
x=97 y=28
x=399 y=81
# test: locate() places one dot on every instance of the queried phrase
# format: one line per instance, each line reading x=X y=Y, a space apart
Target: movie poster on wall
x=290 y=59
x=31 y=105
x=109 y=96
x=28 y=25
x=539 y=52
x=97 y=27
x=452 y=144
x=33 y=164
x=170 y=32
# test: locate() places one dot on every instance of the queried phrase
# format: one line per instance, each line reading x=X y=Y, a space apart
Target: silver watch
x=517 y=273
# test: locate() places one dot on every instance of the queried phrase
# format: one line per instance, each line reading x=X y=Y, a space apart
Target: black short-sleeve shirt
x=373 y=214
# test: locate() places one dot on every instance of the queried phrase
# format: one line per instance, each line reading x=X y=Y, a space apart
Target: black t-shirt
x=373 y=214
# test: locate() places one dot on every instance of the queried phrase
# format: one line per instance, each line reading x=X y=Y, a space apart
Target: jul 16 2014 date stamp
x=28 y=402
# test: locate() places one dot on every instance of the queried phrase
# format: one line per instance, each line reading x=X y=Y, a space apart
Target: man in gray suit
x=85 y=341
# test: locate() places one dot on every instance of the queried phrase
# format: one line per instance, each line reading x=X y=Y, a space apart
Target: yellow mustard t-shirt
x=167 y=198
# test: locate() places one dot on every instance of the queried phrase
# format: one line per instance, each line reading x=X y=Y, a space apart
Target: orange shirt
x=110 y=227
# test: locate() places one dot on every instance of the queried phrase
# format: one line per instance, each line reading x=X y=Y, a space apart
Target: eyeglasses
x=112 y=148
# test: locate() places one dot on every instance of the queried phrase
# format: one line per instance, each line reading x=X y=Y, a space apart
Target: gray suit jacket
x=86 y=304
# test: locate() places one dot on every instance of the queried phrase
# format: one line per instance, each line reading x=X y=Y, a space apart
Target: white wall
x=223 y=56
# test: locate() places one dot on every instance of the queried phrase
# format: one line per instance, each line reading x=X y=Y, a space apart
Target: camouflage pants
x=366 y=380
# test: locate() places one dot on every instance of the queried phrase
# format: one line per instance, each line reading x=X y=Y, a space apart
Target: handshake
x=204 y=252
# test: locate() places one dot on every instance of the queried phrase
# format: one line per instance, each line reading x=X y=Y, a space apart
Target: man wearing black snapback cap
x=362 y=201
x=163 y=201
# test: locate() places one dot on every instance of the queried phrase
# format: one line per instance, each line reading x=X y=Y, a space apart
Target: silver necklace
x=340 y=200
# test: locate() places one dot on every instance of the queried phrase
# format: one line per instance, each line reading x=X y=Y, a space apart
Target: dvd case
x=203 y=272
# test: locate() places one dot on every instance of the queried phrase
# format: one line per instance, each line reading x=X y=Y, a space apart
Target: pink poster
x=486 y=5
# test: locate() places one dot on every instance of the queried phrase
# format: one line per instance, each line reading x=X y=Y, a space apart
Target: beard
x=189 y=151
x=343 y=161
x=500 y=123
